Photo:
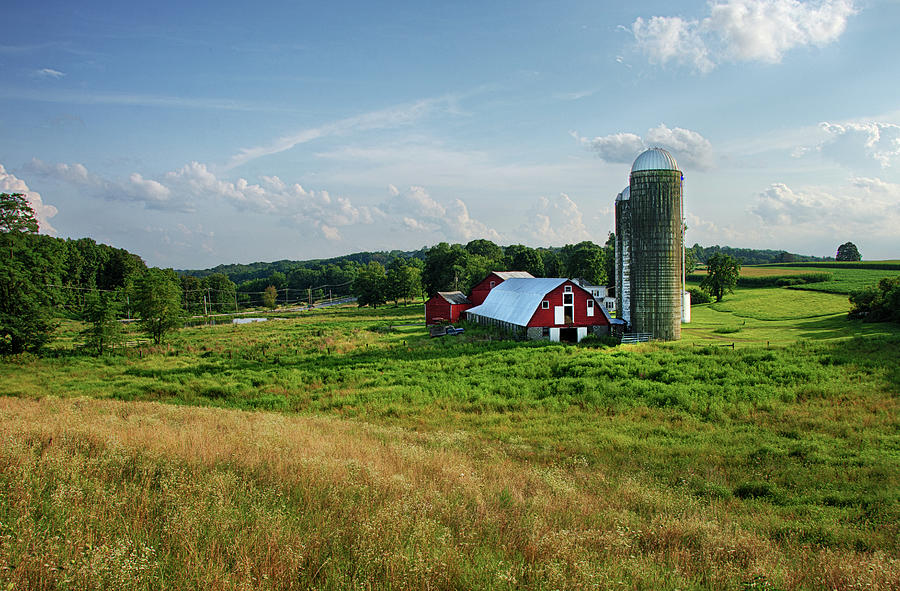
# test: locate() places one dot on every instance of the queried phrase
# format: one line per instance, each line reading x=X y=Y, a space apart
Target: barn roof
x=516 y=299
x=454 y=297
x=513 y=275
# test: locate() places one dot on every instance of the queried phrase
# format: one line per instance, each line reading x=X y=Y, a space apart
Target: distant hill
x=260 y=270
x=756 y=256
x=254 y=272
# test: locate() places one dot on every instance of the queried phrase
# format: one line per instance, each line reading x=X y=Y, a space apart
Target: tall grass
x=398 y=461
x=105 y=494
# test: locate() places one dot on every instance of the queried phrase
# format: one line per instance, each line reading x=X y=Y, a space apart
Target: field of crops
x=346 y=449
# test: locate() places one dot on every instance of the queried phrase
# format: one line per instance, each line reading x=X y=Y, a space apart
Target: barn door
x=559 y=315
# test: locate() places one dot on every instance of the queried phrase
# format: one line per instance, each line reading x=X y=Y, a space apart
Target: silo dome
x=624 y=195
x=654 y=159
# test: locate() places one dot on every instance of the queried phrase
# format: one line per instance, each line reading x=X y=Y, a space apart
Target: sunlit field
x=346 y=449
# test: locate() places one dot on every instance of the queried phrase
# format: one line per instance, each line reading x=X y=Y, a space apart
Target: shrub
x=877 y=304
x=698 y=296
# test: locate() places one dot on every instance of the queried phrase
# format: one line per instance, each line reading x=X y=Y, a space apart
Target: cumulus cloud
x=135 y=188
x=689 y=148
x=9 y=183
x=861 y=143
x=418 y=211
x=555 y=221
x=741 y=30
x=868 y=206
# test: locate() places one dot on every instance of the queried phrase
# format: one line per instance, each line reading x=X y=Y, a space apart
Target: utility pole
x=309 y=292
x=205 y=311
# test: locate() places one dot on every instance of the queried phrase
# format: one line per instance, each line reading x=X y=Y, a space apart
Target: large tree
x=158 y=303
x=445 y=268
x=585 y=260
x=24 y=297
x=848 y=252
x=370 y=285
x=722 y=272
x=524 y=258
x=103 y=329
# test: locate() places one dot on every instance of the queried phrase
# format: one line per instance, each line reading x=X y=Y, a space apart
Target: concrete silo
x=623 y=255
x=656 y=237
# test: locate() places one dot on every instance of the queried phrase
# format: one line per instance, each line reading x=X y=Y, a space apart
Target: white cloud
x=9 y=183
x=48 y=73
x=689 y=148
x=861 y=143
x=418 y=211
x=555 y=221
x=866 y=206
x=742 y=30
x=664 y=39
x=150 y=193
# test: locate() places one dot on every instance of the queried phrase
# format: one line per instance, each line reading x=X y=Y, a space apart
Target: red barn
x=552 y=308
x=445 y=306
x=481 y=289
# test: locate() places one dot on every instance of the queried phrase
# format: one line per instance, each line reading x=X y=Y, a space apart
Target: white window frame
x=567 y=289
x=545 y=305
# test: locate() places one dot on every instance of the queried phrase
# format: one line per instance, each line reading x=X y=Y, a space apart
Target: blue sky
x=195 y=134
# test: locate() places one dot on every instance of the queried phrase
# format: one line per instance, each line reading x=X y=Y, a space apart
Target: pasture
x=345 y=449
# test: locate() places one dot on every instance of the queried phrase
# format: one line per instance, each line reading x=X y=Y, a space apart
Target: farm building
x=650 y=247
x=445 y=306
x=480 y=290
x=601 y=293
x=542 y=308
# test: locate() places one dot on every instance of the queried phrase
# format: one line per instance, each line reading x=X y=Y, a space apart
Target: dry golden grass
x=99 y=494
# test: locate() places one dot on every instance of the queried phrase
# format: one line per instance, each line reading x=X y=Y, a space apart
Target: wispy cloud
x=374 y=120
x=48 y=73
x=144 y=100
x=741 y=31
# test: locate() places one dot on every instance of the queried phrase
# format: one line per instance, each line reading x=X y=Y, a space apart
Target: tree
x=402 y=280
x=16 y=214
x=103 y=329
x=369 y=287
x=848 y=252
x=158 y=303
x=722 y=273
x=879 y=303
x=24 y=316
x=485 y=248
x=445 y=268
x=609 y=260
x=269 y=296
x=584 y=260
x=690 y=260
x=523 y=258
x=220 y=291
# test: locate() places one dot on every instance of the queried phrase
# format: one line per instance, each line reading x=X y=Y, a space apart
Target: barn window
x=545 y=305
x=590 y=304
x=568 y=288
x=492 y=284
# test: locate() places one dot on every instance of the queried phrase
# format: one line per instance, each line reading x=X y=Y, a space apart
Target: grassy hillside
x=399 y=461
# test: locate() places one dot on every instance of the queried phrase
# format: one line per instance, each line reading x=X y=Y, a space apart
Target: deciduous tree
x=103 y=330
x=722 y=272
x=848 y=252
x=158 y=303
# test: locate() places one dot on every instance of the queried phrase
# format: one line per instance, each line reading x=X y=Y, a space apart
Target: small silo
x=656 y=240
x=623 y=255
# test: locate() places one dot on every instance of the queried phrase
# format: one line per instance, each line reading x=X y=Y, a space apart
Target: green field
x=346 y=449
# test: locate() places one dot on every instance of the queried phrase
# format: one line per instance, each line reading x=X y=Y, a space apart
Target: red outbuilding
x=479 y=292
x=542 y=308
x=445 y=306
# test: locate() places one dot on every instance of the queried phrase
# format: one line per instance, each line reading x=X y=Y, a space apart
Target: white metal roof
x=516 y=299
x=513 y=274
x=454 y=297
x=655 y=159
